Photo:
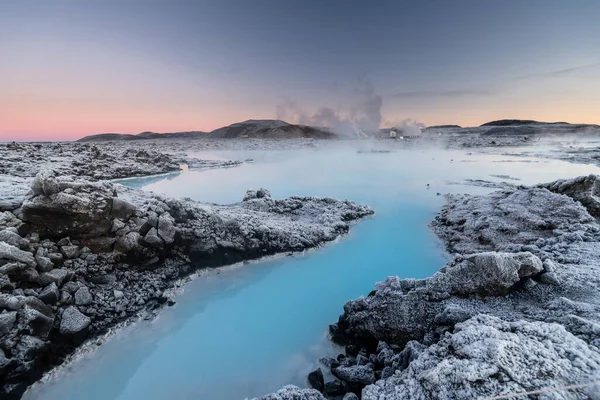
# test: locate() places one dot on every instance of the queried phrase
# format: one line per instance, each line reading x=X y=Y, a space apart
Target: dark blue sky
x=72 y=67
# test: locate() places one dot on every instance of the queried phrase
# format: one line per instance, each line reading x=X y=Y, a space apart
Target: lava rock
x=70 y=252
x=73 y=322
x=334 y=388
x=361 y=374
x=316 y=380
x=83 y=297
x=49 y=294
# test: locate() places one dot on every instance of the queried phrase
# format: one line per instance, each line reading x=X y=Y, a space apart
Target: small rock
x=49 y=294
x=44 y=264
x=56 y=258
x=118 y=294
x=166 y=228
x=83 y=296
x=350 y=396
x=57 y=275
x=152 y=238
x=70 y=252
x=64 y=242
x=65 y=297
x=549 y=278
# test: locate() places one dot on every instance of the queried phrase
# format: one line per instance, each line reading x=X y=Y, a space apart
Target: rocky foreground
x=78 y=256
x=517 y=310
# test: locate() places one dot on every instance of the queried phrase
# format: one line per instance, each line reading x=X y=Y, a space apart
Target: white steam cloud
x=363 y=118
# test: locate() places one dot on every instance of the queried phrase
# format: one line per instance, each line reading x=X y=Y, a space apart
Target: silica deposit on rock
x=516 y=310
x=78 y=257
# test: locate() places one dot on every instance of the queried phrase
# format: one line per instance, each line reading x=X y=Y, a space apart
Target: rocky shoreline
x=516 y=310
x=78 y=257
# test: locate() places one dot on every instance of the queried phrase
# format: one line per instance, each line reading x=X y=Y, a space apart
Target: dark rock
x=549 y=278
x=28 y=347
x=44 y=264
x=127 y=243
x=49 y=294
x=334 y=388
x=38 y=323
x=58 y=276
x=108 y=279
x=166 y=228
x=121 y=209
x=70 y=252
x=361 y=374
x=316 y=380
x=56 y=258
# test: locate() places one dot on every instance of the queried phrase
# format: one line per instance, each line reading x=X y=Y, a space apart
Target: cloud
x=559 y=72
x=426 y=94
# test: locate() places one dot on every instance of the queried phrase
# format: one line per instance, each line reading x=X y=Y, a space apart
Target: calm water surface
x=245 y=331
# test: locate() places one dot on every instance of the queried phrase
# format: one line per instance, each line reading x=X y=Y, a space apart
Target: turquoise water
x=247 y=330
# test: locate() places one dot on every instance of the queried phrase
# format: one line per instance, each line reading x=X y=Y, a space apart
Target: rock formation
x=77 y=257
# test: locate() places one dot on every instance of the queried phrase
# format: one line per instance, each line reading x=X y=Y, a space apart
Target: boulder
x=83 y=297
x=49 y=294
x=316 y=380
x=121 y=209
x=28 y=347
x=70 y=251
x=486 y=356
x=127 y=243
x=73 y=322
x=39 y=323
x=151 y=238
x=58 y=276
x=44 y=264
x=12 y=253
x=14 y=239
x=61 y=206
x=166 y=228
x=7 y=321
x=334 y=388
x=360 y=374
x=10 y=302
x=489 y=273
x=252 y=194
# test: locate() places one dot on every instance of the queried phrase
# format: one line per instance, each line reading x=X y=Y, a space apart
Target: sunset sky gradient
x=70 y=68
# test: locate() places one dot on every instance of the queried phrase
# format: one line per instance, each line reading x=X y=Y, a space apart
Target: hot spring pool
x=248 y=330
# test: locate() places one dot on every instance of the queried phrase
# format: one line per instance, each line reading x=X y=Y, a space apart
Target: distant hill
x=102 y=137
x=443 y=126
x=271 y=129
x=518 y=122
x=267 y=128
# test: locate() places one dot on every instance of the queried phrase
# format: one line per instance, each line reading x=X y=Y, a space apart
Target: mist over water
x=246 y=331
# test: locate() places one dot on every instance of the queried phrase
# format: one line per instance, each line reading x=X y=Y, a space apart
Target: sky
x=70 y=68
